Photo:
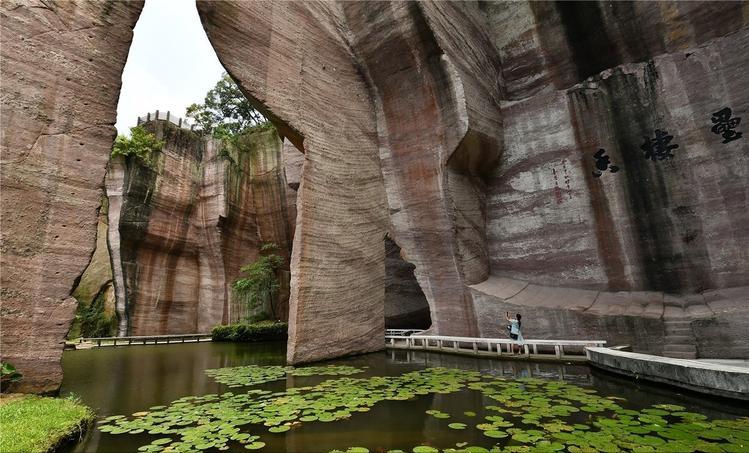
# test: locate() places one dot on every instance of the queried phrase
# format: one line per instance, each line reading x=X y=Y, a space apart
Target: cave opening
x=406 y=306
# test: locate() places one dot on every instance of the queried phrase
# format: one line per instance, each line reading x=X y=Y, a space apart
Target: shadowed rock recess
x=578 y=162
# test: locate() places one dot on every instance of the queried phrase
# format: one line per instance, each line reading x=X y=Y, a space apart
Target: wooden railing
x=534 y=349
x=147 y=339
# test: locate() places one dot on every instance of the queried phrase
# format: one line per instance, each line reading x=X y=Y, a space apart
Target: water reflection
x=579 y=374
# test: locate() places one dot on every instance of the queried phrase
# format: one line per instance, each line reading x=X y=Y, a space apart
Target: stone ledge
x=704 y=377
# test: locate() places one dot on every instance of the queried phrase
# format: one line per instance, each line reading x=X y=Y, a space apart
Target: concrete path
x=721 y=379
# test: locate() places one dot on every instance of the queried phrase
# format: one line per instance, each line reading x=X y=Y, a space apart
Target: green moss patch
x=38 y=424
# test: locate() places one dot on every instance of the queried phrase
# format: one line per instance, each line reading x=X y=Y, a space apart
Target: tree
x=141 y=144
x=260 y=284
x=225 y=112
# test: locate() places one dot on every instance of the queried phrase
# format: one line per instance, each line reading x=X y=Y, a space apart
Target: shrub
x=259 y=331
x=141 y=144
x=260 y=284
x=8 y=374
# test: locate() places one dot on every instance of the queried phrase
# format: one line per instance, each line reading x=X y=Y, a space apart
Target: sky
x=171 y=63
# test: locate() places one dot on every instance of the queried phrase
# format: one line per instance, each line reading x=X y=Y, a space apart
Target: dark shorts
x=513 y=336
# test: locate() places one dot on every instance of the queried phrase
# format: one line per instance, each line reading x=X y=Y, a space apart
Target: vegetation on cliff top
x=141 y=144
x=226 y=112
x=38 y=424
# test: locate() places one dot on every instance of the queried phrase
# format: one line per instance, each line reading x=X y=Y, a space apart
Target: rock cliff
x=61 y=66
x=584 y=163
x=187 y=221
x=580 y=157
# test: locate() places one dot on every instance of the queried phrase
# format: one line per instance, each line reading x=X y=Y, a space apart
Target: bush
x=260 y=284
x=141 y=144
x=8 y=374
x=259 y=331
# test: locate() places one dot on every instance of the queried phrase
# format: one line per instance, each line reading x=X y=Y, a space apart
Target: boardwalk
x=556 y=350
x=83 y=343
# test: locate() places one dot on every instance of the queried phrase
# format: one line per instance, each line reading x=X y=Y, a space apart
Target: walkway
x=554 y=350
x=696 y=375
x=86 y=343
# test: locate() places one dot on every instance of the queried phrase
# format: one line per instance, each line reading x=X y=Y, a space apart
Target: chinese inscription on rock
x=724 y=125
x=660 y=147
x=603 y=163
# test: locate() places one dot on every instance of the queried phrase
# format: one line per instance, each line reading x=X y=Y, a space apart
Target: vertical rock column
x=292 y=60
x=437 y=125
x=61 y=66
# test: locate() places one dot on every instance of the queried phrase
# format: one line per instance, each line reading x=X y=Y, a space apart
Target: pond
x=241 y=397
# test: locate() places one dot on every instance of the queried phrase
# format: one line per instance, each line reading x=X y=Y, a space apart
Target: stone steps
x=679 y=339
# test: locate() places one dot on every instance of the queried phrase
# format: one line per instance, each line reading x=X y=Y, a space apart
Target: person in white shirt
x=515 y=330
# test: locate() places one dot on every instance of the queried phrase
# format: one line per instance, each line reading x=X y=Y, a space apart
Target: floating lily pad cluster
x=212 y=421
x=241 y=376
x=530 y=415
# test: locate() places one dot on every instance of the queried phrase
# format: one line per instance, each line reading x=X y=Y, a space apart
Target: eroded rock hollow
x=583 y=163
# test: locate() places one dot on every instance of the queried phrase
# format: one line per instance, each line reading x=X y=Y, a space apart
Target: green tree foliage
x=225 y=112
x=260 y=283
x=141 y=144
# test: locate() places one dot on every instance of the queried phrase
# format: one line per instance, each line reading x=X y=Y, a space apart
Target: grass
x=30 y=423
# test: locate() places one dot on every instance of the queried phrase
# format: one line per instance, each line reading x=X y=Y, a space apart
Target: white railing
x=166 y=116
x=552 y=349
x=402 y=332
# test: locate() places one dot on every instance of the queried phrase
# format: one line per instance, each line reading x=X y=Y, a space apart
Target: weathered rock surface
x=96 y=314
x=188 y=222
x=304 y=77
x=473 y=126
x=488 y=117
x=60 y=65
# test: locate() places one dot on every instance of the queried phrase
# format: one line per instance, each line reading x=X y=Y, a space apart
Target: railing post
x=557 y=352
x=475 y=348
x=167 y=114
x=535 y=349
x=157 y=114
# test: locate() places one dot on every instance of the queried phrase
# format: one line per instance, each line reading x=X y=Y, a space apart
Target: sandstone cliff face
x=490 y=119
x=303 y=76
x=96 y=315
x=471 y=132
x=188 y=222
x=60 y=65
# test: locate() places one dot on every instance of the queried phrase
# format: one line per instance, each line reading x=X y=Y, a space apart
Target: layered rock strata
x=188 y=220
x=96 y=315
x=537 y=142
x=60 y=65
x=304 y=78
x=576 y=146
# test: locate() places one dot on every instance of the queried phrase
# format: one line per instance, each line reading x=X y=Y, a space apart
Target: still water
x=130 y=379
